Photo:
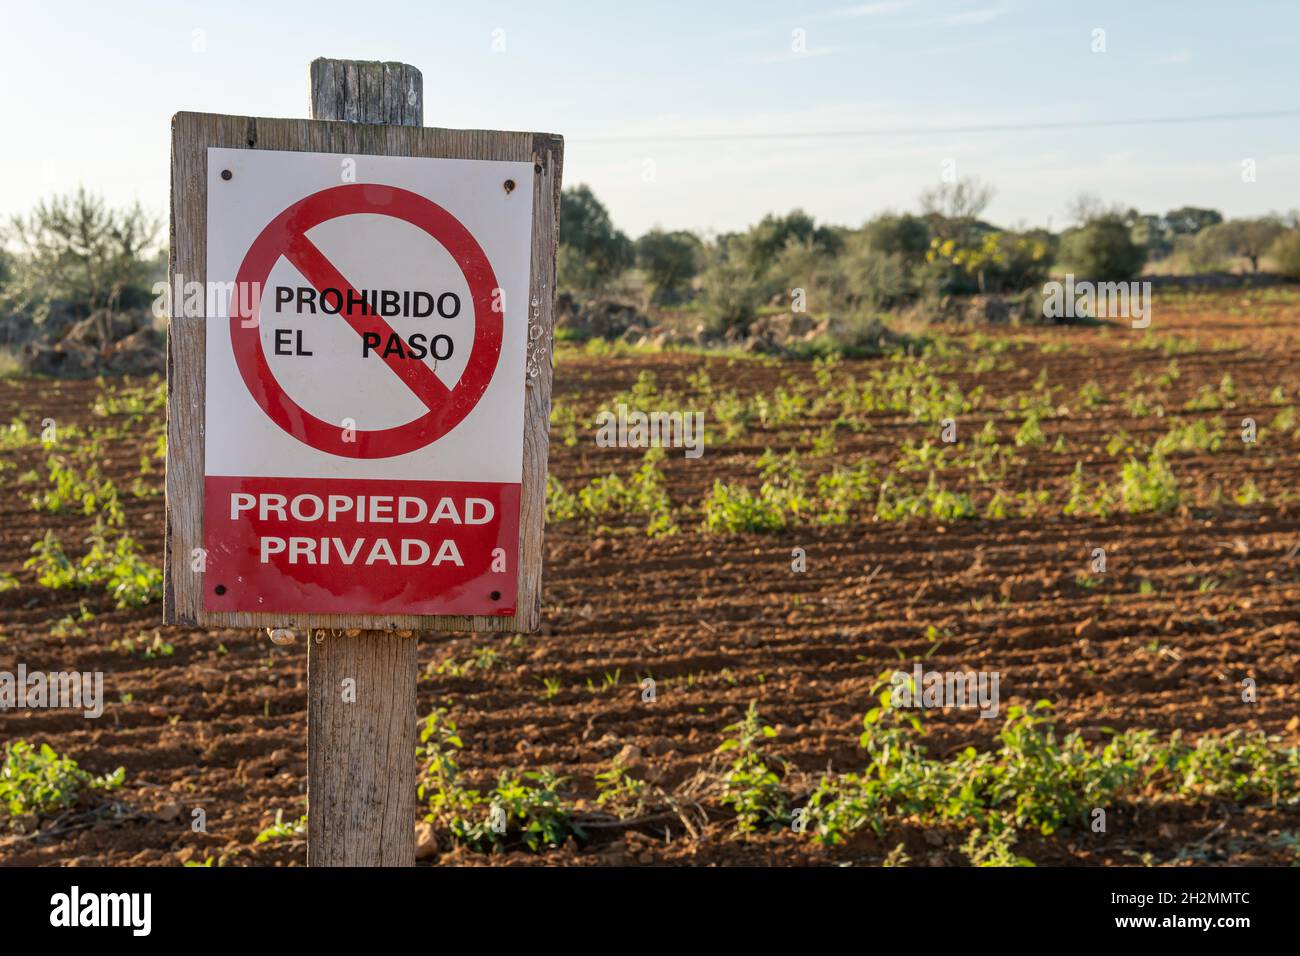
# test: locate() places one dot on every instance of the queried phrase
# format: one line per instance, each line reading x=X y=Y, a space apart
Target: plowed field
x=1199 y=593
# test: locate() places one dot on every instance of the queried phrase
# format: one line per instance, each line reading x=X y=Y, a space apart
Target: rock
x=426 y=841
x=1088 y=629
x=987 y=310
x=170 y=812
x=597 y=319
x=140 y=353
x=70 y=358
x=1022 y=589
x=628 y=756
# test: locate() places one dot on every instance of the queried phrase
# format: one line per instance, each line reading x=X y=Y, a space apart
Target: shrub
x=39 y=780
x=1285 y=253
x=592 y=252
x=751 y=786
x=731 y=293
x=76 y=249
x=670 y=260
x=1149 y=487
x=1103 y=250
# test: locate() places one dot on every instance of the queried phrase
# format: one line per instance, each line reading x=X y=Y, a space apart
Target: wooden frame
x=192 y=134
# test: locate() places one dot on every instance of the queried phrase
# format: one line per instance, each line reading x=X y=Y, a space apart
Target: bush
x=730 y=292
x=906 y=236
x=592 y=252
x=39 y=780
x=1103 y=250
x=78 y=250
x=760 y=246
x=670 y=260
x=1285 y=253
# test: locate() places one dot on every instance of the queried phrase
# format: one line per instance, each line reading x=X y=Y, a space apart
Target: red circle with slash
x=286 y=235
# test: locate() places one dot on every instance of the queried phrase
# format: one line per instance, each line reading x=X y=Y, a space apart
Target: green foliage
x=115 y=565
x=1237 y=238
x=901 y=502
x=906 y=236
x=39 y=780
x=1285 y=253
x=991 y=261
x=669 y=260
x=1097 y=501
x=1190 y=437
x=74 y=491
x=621 y=792
x=759 y=247
x=780 y=500
x=1149 y=487
x=1034 y=779
x=592 y=251
x=281 y=830
x=730 y=292
x=751 y=786
x=76 y=249
x=529 y=804
x=1102 y=250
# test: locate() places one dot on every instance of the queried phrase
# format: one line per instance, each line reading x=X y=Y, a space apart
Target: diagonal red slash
x=321 y=273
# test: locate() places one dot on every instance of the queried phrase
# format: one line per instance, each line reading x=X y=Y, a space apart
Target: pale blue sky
x=87 y=91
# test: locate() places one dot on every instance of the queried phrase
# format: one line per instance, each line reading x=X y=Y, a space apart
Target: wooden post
x=361 y=721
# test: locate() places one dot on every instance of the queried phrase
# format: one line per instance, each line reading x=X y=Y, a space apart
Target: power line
x=939 y=130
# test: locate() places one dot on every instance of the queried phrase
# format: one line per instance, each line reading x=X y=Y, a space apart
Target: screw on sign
x=359 y=447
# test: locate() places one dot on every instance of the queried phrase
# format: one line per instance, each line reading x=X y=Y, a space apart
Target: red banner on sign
x=360 y=546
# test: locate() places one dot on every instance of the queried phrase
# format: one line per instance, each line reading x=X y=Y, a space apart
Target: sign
x=365 y=382
x=358 y=372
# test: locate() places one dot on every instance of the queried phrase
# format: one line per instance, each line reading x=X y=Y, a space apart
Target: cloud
x=789 y=55
x=1173 y=59
x=866 y=10
x=967 y=17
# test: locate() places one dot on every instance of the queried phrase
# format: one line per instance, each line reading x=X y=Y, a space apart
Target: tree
x=592 y=252
x=1189 y=220
x=78 y=250
x=906 y=236
x=1248 y=238
x=1103 y=249
x=1151 y=231
x=953 y=209
x=1285 y=253
x=760 y=246
x=670 y=260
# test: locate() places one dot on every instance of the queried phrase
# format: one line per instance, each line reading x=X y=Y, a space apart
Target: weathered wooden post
x=361 y=752
x=358 y=402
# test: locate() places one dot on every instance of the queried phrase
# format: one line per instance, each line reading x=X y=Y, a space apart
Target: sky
x=707 y=115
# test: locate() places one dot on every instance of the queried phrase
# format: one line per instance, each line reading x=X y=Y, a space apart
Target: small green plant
x=38 y=780
x=1149 y=487
x=525 y=806
x=116 y=566
x=993 y=848
x=1248 y=494
x=620 y=792
x=281 y=830
x=1097 y=501
x=751 y=786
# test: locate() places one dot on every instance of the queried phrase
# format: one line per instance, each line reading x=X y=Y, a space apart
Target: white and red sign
x=366 y=350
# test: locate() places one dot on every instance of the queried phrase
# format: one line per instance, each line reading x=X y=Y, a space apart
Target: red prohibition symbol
x=286 y=235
